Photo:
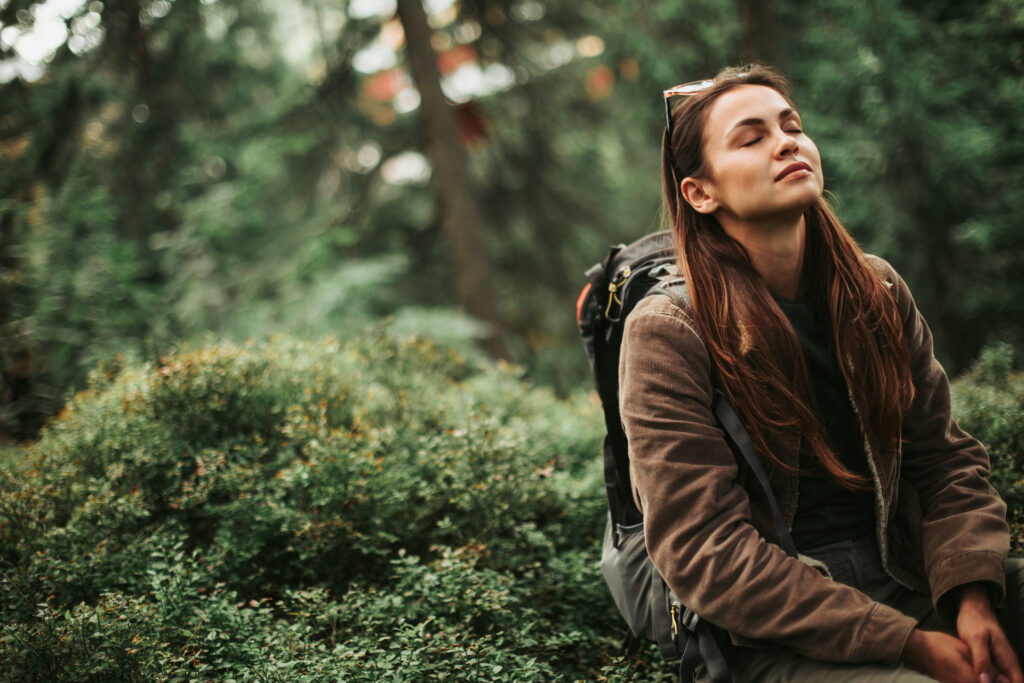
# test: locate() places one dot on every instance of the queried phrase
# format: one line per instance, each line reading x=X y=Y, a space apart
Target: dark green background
x=183 y=179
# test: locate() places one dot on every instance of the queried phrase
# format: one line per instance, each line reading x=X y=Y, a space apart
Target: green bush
x=988 y=401
x=382 y=509
x=299 y=511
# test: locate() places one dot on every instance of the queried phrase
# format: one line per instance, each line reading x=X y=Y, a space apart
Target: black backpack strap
x=674 y=287
x=730 y=421
x=631 y=644
x=701 y=646
x=714 y=662
x=690 y=661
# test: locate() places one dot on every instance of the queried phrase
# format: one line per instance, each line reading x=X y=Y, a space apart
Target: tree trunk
x=460 y=215
x=760 y=40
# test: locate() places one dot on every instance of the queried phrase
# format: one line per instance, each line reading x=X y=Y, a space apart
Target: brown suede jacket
x=940 y=524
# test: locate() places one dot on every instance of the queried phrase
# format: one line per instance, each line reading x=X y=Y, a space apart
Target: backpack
x=652 y=612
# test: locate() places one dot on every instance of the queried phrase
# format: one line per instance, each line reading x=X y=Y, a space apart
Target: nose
x=786 y=144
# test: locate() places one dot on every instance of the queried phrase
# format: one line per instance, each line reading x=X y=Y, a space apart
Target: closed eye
x=752 y=142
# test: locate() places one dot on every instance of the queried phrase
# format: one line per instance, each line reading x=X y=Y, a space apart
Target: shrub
x=988 y=401
x=309 y=511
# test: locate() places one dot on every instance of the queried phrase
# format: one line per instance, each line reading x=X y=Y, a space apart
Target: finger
x=1005 y=659
x=957 y=670
x=981 y=656
x=953 y=660
x=969 y=675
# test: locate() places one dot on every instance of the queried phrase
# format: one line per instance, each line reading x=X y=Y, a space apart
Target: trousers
x=858 y=563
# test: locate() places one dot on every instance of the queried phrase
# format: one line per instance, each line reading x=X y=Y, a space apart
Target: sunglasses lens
x=689 y=88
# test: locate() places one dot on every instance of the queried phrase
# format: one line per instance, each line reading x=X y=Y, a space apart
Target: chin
x=798 y=204
x=807 y=200
x=790 y=211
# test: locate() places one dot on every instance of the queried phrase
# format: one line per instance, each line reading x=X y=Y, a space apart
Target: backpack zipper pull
x=613 y=287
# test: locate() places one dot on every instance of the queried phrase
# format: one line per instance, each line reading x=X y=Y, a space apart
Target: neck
x=776 y=249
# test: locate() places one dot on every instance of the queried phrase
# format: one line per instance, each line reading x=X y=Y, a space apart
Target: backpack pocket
x=642 y=596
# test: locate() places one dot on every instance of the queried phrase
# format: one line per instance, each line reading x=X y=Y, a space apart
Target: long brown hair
x=754 y=350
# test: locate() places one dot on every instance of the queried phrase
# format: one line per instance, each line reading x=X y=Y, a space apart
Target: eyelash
x=798 y=131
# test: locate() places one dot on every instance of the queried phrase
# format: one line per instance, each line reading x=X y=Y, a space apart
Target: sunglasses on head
x=682 y=90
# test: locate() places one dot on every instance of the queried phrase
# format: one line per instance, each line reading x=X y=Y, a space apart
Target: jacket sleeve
x=697 y=517
x=964 y=533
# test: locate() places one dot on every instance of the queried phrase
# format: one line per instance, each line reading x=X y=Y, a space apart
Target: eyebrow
x=784 y=114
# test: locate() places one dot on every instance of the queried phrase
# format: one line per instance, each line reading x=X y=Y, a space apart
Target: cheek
x=818 y=169
x=811 y=151
x=737 y=174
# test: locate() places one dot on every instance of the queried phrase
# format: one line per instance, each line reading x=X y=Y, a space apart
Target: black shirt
x=827 y=512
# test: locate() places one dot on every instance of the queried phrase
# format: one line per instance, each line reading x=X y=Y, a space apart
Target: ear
x=698 y=193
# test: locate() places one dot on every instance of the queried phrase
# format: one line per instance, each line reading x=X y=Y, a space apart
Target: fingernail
x=1002 y=679
x=984 y=678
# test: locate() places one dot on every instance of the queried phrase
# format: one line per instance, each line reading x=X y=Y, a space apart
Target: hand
x=941 y=656
x=991 y=654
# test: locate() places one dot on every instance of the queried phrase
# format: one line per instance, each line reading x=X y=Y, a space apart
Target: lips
x=798 y=166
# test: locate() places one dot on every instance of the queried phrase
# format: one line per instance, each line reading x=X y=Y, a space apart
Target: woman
x=820 y=348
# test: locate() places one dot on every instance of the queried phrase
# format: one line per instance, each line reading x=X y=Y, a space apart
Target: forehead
x=740 y=103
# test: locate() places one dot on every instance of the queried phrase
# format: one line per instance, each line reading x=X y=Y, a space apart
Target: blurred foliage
x=309 y=511
x=222 y=166
x=922 y=148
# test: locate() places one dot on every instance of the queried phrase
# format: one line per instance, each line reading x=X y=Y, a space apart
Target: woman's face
x=761 y=166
